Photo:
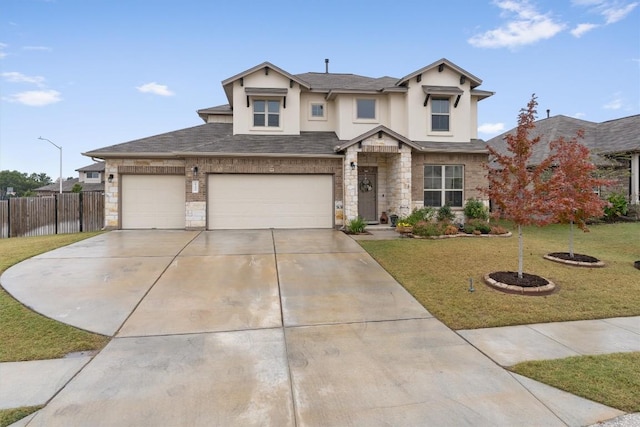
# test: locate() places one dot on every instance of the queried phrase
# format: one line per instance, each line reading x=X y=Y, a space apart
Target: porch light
x=110 y=179
x=353 y=165
x=195 y=171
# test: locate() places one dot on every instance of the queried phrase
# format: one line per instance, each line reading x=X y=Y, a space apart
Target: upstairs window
x=443 y=185
x=317 y=111
x=366 y=109
x=93 y=175
x=266 y=113
x=440 y=114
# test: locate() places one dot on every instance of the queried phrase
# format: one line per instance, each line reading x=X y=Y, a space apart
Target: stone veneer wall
x=474 y=173
x=116 y=167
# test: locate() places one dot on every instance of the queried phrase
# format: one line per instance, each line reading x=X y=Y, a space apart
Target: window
x=93 y=175
x=266 y=113
x=317 y=111
x=443 y=185
x=366 y=109
x=440 y=114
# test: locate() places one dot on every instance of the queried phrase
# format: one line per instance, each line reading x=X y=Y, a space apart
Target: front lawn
x=26 y=335
x=437 y=273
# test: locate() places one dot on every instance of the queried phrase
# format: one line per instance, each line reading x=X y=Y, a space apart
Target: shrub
x=450 y=230
x=477 y=225
x=417 y=215
x=496 y=229
x=427 y=229
x=356 y=225
x=445 y=214
x=617 y=207
x=475 y=209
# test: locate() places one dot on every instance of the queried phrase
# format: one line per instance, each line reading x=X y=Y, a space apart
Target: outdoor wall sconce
x=110 y=179
x=353 y=165
x=195 y=171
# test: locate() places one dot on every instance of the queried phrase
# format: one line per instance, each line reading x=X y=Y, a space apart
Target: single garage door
x=153 y=201
x=270 y=201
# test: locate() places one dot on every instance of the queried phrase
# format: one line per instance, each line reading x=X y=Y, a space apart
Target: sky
x=87 y=74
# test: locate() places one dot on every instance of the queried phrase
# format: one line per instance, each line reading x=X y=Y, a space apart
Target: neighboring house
x=311 y=150
x=91 y=178
x=614 y=145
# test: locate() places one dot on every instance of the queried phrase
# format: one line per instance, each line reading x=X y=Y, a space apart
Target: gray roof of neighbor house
x=615 y=136
x=218 y=139
x=96 y=167
x=67 y=186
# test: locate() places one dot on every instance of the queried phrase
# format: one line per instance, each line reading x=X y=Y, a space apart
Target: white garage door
x=153 y=201
x=270 y=201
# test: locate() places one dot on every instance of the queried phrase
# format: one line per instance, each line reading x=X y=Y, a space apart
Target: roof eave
x=474 y=81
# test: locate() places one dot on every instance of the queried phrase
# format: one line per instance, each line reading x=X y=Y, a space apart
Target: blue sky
x=91 y=73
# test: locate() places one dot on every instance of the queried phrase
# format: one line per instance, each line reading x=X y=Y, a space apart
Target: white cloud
x=525 y=26
x=615 y=103
x=42 y=48
x=491 y=128
x=579 y=115
x=36 y=98
x=16 y=77
x=582 y=29
x=611 y=10
x=155 y=88
x=615 y=12
x=3 y=46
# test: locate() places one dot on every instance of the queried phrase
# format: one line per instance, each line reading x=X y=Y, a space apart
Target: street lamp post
x=59 y=148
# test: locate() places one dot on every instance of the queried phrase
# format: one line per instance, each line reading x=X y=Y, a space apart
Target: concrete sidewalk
x=259 y=327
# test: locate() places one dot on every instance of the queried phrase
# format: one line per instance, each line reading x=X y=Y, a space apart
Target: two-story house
x=90 y=178
x=311 y=150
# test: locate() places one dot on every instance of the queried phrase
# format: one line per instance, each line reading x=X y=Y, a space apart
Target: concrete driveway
x=259 y=327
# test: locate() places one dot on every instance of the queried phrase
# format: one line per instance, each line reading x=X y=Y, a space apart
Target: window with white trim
x=93 y=175
x=266 y=113
x=366 y=109
x=317 y=110
x=443 y=185
x=440 y=113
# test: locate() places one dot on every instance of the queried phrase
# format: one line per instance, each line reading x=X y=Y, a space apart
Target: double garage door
x=235 y=201
x=270 y=201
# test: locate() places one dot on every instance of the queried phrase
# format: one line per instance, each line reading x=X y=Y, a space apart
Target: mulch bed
x=576 y=257
x=528 y=284
x=511 y=278
x=577 y=260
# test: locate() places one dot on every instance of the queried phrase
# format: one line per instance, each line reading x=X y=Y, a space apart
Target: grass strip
x=611 y=379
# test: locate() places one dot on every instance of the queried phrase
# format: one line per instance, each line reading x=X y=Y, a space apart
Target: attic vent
x=326 y=65
x=440 y=67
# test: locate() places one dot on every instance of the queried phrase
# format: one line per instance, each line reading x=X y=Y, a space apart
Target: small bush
x=445 y=214
x=417 y=215
x=477 y=225
x=475 y=209
x=427 y=229
x=356 y=226
x=617 y=207
x=450 y=230
x=496 y=229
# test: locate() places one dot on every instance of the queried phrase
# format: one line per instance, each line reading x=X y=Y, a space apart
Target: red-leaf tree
x=573 y=183
x=517 y=188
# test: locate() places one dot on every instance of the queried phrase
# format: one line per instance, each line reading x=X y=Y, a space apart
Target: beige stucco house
x=311 y=150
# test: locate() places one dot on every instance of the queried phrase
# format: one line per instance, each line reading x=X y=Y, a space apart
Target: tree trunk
x=520 y=256
x=571 y=240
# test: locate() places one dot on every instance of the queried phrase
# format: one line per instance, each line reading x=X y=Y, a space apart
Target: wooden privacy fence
x=58 y=214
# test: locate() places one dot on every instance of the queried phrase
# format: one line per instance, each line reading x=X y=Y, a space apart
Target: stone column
x=350 y=185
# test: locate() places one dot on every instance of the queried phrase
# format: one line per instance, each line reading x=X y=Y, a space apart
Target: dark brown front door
x=367 y=193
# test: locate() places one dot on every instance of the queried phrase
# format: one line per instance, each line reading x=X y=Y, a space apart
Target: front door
x=367 y=193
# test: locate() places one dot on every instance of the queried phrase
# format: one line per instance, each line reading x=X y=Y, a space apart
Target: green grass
x=10 y=416
x=612 y=379
x=26 y=335
x=437 y=272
